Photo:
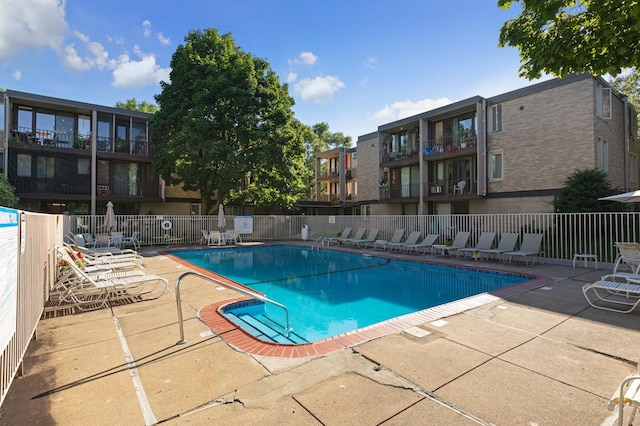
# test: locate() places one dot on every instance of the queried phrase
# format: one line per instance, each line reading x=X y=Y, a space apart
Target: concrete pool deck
x=539 y=356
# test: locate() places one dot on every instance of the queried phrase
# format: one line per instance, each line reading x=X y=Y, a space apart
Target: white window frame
x=605 y=103
x=492 y=155
x=365 y=210
x=496 y=118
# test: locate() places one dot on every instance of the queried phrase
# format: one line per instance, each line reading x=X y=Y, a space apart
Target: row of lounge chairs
x=89 y=279
x=484 y=249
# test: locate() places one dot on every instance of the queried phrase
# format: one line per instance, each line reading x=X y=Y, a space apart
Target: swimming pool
x=328 y=293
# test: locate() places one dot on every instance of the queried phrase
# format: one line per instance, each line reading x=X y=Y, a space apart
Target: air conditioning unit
x=436 y=189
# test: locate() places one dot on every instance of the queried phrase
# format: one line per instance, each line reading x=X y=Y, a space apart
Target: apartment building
x=509 y=153
x=66 y=156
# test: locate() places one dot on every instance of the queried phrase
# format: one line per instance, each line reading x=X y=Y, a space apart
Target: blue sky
x=352 y=64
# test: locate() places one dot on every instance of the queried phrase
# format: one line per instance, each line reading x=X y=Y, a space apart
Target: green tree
x=331 y=140
x=628 y=83
x=581 y=192
x=561 y=37
x=7 y=192
x=225 y=127
x=133 y=105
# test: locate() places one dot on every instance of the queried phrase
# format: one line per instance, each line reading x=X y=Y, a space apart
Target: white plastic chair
x=459 y=187
x=131 y=241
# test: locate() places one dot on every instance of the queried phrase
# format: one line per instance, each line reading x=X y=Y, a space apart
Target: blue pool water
x=329 y=293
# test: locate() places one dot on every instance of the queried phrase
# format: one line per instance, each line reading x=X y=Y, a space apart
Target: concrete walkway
x=542 y=357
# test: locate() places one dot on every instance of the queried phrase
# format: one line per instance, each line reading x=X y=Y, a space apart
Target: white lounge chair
x=411 y=239
x=530 y=247
x=357 y=237
x=628 y=257
x=485 y=242
x=343 y=236
x=607 y=294
x=395 y=238
x=507 y=243
x=425 y=244
x=626 y=394
x=371 y=238
x=459 y=242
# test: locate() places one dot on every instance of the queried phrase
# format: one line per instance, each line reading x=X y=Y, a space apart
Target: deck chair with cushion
x=485 y=242
x=343 y=236
x=459 y=242
x=357 y=237
x=530 y=247
x=507 y=243
x=423 y=245
x=626 y=394
x=371 y=238
x=413 y=238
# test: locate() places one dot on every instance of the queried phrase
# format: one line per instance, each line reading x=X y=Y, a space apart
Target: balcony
x=399 y=158
x=450 y=147
x=451 y=190
x=52 y=139
x=334 y=175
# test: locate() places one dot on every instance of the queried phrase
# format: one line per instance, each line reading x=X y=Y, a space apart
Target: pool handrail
x=230 y=286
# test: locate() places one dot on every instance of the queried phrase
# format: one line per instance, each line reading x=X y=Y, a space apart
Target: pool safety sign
x=243 y=224
x=9 y=237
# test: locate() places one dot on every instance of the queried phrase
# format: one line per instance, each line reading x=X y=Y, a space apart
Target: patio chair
x=507 y=243
x=357 y=237
x=459 y=187
x=216 y=238
x=371 y=237
x=628 y=256
x=413 y=238
x=343 y=236
x=395 y=238
x=425 y=244
x=530 y=247
x=131 y=241
x=609 y=294
x=88 y=292
x=485 y=242
x=626 y=394
x=459 y=242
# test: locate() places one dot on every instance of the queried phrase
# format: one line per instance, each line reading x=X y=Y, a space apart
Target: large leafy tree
x=225 y=126
x=560 y=37
x=581 y=192
x=133 y=105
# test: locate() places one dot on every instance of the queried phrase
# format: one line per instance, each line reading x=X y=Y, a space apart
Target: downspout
x=625 y=132
x=481 y=111
x=7 y=132
x=94 y=169
x=423 y=168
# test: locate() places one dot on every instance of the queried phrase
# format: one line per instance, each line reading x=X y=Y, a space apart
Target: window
x=496 y=118
x=496 y=166
x=84 y=166
x=602 y=154
x=196 y=209
x=633 y=168
x=24 y=165
x=604 y=102
x=46 y=167
x=365 y=210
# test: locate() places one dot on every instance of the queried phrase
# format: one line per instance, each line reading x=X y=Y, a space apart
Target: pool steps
x=262 y=330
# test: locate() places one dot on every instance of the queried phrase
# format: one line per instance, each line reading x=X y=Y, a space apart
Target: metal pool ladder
x=319 y=243
x=256 y=296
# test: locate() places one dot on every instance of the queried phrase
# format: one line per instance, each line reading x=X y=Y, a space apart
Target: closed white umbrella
x=222 y=222
x=627 y=197
x=110 y=218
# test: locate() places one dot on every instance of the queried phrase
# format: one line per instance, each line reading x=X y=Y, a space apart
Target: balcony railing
x=451 y=189
x=68 y=140
x=37 y=187
x=450 y=145
x=335 y=174
x=387 y=157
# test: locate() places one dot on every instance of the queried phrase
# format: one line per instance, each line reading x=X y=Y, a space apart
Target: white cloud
x=31 y=24
x=306 y=58
x=131 y=74
x=146 y=27
x=371 y=62
x=402 y=109
x=17 y=75
x=163 y=40
x=291 y=77
x=319 y=89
